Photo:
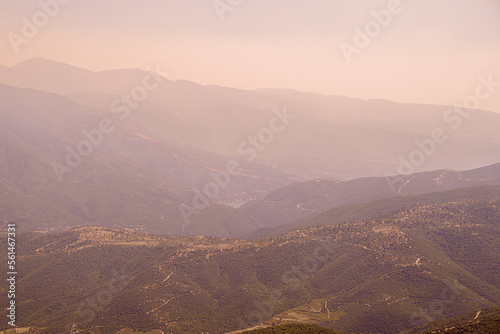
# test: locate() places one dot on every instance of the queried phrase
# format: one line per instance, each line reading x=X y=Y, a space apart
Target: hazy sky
x=430 y=51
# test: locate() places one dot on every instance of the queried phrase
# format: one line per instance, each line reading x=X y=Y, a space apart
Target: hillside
x=356 y=212
x=294 y=329
x=481 y=322
x=300 y=201
x=328 y=201
x=370 y=276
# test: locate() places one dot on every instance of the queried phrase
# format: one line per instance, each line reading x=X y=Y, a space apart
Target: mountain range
x=149 y=205
x=132 y=149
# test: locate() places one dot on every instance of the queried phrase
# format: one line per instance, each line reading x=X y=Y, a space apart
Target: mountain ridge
x=306 y=199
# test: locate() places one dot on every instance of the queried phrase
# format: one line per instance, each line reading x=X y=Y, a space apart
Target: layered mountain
x=385 y=274
x=304 y=200
x=331 y=136
x=354 y=212
x=131 y=148
x=65 y=164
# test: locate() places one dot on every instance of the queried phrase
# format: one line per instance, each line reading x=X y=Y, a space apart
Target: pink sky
x=431 y=51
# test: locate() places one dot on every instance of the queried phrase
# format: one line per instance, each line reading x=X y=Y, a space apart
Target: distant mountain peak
x=37 y=63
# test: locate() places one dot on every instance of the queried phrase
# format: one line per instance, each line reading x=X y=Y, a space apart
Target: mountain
x=126 y=177
x=78 y=148
x=300 y=201
x=330 y=136
x=481 y=322
x=55 y=77
x=355 y=212
x=381 y=275
x=136 y=179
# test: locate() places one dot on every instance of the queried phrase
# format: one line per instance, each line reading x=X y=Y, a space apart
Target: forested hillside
x=384 y=275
